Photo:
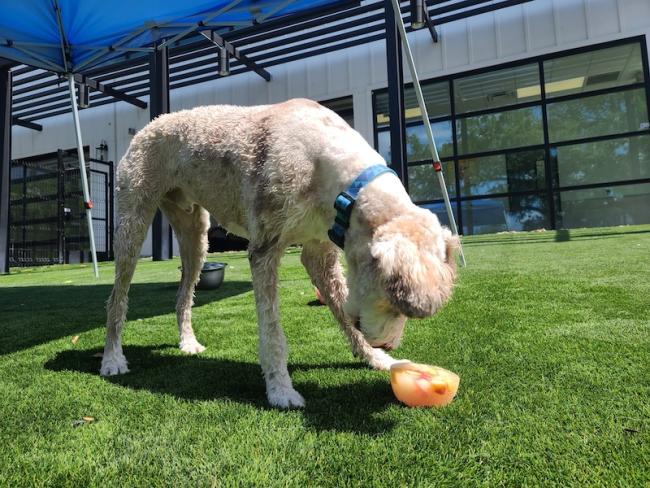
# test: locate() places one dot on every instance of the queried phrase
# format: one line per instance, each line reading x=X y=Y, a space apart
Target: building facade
x=540 y=112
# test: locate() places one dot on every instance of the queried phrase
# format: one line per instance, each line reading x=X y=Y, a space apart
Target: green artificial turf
x=550 y=333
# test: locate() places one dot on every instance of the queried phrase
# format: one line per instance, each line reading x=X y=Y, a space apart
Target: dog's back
x=237 y=161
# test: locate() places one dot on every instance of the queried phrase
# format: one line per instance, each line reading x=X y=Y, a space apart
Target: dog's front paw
x=191 y=346
x=381 y=360
x=285 y=397
x=113 y=364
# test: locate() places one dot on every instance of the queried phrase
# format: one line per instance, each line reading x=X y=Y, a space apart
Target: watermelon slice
x=421 y=385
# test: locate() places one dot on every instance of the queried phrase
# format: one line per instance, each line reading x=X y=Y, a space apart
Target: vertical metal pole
x=82 y=171
x=60 y=205
x=111 y=209
x=5 y=165
x=395 y=96
x=425 y=119
x=161 y=233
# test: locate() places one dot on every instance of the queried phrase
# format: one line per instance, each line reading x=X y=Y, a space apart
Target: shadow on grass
x=348 y=408
x=33 y=315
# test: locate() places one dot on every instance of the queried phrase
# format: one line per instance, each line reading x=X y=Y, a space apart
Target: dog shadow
x=350 y=408
x=58 y=311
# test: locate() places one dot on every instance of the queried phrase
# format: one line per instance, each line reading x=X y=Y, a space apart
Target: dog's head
x=404 y=268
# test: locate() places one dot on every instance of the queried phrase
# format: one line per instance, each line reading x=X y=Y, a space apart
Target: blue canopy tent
x=70 y=36
x=74 y=38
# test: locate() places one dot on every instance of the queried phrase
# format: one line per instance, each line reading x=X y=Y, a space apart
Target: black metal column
x=161 y=232
x=395 y=96
x=5 y=165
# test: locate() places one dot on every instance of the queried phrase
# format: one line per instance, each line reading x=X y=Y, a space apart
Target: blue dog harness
x=345 y=201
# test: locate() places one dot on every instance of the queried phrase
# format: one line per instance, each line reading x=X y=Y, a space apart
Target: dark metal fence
x=47 y=214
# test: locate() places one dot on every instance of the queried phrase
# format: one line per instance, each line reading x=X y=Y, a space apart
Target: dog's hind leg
x=136 y=216
x=191 y=225
x=321 y=260
x=264 y=261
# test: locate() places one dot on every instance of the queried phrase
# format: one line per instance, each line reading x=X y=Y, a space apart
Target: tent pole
x=425 y=119
x=82 y=170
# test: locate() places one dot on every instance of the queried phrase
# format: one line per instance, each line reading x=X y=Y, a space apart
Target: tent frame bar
x=82 y=171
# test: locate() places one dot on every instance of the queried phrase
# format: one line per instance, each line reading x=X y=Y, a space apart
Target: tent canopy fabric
x=92 y=33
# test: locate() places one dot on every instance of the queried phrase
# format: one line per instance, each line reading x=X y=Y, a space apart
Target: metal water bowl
x=211 y=276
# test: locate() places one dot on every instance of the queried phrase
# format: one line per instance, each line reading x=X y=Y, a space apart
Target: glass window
x=343 y=107
x=497 y=88
x=599 y=207
x=627 y=158
x=518 y=213
x=599 y=115
x=594 y=70
x=502 y=130
x=502 y=173
x=417 y=144
x=440 y=210
x=423 y=181
x=436 y=98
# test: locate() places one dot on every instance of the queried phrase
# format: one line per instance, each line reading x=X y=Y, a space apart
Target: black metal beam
x=162 y=247
x=27 y=124
x=219 y=41
x=395 y=95
x=5 y=165
x=430 y=25
x=111 y=92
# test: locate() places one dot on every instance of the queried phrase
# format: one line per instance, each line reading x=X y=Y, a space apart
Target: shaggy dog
x=271 y=173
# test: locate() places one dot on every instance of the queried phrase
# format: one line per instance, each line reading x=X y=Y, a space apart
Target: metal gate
x=47 y=214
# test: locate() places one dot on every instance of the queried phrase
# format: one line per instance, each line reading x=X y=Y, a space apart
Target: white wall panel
x=539 y=25
x=455 y=44
x=602 y=17
x=570 y=20
x=316 y=78
x=511 y=32
x=482 y=38
x=634 y=14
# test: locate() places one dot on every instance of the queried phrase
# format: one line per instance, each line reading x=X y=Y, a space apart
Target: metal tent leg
x=425 y=119
x=5 y=165
x=82 y=171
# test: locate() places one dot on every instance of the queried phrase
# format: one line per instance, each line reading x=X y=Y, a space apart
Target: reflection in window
x=497 y=88
x=502 y=130
x=627 y=158
x=594 y=70
x=440 y=210
x=417 y=144
x=599 y=207
x=343 y=107
x=502 y=173
x=518 y=213
x=436 y=96
x=423 y=181
x=600 y=115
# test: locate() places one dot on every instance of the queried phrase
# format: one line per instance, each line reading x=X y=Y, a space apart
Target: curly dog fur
x=271 y=174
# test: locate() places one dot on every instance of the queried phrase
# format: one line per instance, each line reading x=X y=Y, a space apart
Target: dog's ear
x=452 y=245
x=407 y=259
